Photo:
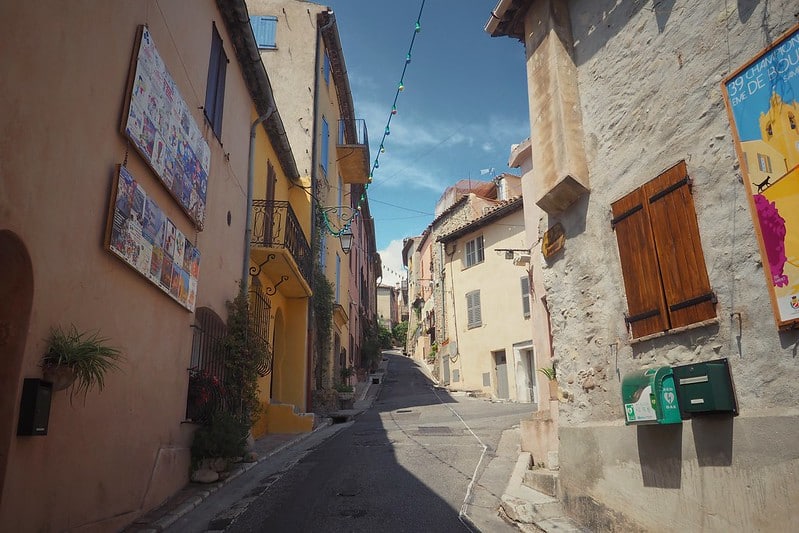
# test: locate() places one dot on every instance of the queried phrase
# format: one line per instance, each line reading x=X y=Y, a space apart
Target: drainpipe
x=245 y=272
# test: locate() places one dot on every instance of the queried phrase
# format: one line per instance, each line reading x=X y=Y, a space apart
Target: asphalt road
x=421 y=459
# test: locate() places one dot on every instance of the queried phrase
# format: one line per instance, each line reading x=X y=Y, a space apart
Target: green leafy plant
x=370 y=346
x=346 y=373
x=85 y=354
x=400 y=332
x=323 y=305
x=341 y=387
x=224 y=436
x=246 y=353
x=549 y=372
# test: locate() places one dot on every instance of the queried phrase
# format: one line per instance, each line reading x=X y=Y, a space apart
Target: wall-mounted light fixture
x=346 y=240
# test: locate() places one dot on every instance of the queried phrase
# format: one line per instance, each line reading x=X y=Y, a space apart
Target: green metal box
x=706 y=387
x=649 y=397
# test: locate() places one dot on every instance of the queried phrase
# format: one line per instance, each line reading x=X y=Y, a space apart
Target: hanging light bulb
x=377 y=163
x=401 y=87
x=418 y=27
x=382 y=149
x=407 y=59
x=388 y=131
x=393 y=110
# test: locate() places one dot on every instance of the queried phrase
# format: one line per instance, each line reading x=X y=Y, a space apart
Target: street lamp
x=346 y=240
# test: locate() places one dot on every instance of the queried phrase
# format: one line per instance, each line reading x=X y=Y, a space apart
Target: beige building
x=134 y=254
x=609 y=160
x=388 y=306
x=488 y=347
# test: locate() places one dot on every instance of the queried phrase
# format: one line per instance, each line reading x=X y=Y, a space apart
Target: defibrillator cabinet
x=650 y=397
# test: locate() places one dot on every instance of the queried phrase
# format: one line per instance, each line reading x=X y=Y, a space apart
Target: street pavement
x=414 y=457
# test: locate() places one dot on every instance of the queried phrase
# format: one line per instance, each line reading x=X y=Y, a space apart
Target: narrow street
x=420 y=459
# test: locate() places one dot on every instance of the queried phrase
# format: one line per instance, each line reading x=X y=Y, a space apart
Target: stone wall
x=649 y=82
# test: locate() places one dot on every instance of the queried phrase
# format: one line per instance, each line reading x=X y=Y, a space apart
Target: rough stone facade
x=649 y=87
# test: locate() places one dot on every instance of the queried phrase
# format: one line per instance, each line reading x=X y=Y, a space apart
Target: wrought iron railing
x=260 y=308
x=206 y=393
x=276 y=226
x=352 y=131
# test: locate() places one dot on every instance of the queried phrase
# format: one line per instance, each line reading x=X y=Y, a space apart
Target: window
x=769 y=130
x=325 y=135
x=764 y=163
x=327 y=68
x=265 y=30
x=792 y=121
x=526 y=296
x=473 y=316
x=665 y=277
x=215 y=88
x=474 y=251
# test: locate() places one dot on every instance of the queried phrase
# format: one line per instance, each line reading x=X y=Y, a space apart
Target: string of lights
x=345 y=227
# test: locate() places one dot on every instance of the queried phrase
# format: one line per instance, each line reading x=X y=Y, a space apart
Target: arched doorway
x=279 y=358
x=16 y=297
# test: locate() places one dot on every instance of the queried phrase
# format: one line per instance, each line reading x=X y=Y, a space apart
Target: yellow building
x=323 y=130
x=779 y=128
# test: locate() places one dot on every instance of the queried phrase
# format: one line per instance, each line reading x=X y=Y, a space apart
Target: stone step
x=542 y=480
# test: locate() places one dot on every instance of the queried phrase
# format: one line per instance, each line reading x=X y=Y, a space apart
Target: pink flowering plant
x=206 y=395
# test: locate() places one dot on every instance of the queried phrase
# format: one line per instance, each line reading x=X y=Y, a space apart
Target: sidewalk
x=265 y=447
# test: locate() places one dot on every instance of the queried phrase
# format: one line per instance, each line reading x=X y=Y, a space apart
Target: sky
x=463 y=106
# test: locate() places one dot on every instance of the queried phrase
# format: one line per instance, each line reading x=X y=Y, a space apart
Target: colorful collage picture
x=763 y=99
x=143 y=237
x=161 y=127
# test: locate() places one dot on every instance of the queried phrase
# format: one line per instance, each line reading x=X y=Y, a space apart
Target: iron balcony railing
x=276 y=226
x=352 y=131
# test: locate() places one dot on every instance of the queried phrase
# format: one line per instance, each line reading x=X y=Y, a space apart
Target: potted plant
x=549 y=372
x=78 y=359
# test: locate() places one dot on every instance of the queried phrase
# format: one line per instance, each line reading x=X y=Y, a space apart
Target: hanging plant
x=79 y=360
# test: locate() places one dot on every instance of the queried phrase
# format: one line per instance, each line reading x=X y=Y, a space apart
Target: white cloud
x=391 y=257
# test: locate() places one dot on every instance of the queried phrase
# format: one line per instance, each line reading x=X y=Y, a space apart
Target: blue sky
x=463 y=106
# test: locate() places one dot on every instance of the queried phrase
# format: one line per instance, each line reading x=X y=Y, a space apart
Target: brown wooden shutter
x=679 y=248
x=646 y=306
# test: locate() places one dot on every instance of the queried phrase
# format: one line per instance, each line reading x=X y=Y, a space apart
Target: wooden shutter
x=682 y=264
x=473 y=315
x=646 y=306
x=525 y=296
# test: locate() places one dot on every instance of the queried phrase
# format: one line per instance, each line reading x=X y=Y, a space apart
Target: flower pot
x=60 y=376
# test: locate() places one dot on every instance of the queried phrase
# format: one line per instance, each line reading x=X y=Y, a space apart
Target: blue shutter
x=265 y=30
x=325 y=143
x=215 y=88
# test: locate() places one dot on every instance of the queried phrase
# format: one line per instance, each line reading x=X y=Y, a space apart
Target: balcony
x=279 y=249
x=353 y=151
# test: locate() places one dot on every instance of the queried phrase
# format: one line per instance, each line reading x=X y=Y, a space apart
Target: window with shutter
x=473 y=315
x=265 y=30
x=525 y=296
x=665 y=277
x=215 y=87
x=325 y=149
x=474 y=251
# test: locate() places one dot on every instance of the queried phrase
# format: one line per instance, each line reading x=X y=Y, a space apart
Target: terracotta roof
x=498 y=211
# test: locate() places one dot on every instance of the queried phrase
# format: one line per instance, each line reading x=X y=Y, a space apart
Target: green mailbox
x=649 y=397
x=705 y=388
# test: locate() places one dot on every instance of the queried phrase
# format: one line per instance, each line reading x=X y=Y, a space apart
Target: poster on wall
x=159 y=124
x=143 y=237
x=762 y=100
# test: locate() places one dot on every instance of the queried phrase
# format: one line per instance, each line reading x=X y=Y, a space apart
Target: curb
x=189 y=505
